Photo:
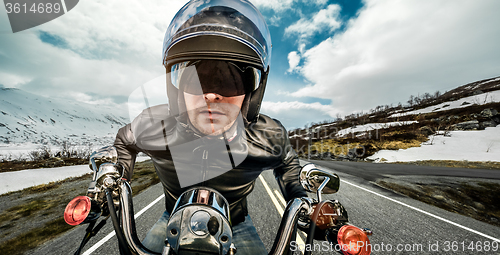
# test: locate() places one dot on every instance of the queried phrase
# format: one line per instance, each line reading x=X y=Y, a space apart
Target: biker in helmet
x=217 y=57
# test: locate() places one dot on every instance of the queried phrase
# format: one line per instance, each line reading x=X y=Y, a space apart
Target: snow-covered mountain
x=29 y=118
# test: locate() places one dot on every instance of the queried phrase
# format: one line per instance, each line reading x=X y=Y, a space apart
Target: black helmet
x=219 y=30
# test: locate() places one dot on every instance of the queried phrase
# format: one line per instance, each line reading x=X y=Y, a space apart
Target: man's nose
x=212 y=97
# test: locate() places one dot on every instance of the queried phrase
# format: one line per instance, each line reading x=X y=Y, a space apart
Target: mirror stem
x=321 y=187
x=94 y=167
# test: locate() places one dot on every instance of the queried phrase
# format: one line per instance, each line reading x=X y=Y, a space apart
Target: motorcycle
x=199 y=222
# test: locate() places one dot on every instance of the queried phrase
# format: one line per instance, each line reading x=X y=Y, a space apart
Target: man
x=217 y=58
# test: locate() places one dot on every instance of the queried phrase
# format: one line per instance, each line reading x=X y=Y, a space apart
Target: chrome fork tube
x=128 y=221
x=288 y=225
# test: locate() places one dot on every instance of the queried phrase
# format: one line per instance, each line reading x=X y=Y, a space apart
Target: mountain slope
x=462 y=124
x=29 y=118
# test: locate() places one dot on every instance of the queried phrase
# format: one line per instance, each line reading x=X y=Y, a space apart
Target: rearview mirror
x=313 y=179
x=106 y=154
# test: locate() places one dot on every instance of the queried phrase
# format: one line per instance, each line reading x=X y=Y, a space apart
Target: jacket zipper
x=205 y=166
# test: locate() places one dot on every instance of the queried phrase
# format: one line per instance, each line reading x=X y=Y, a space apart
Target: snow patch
x=483 y=145
x=372 y=126
x=18 y=180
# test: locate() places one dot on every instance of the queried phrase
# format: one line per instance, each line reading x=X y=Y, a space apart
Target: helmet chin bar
x=256 y=99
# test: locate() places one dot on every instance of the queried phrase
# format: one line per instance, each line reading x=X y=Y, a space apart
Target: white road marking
x=424 y=212
x=98 y=244
x=149 y=206
x=280 y=209
x=273 y=198
x=110 y=235
x=280 y=198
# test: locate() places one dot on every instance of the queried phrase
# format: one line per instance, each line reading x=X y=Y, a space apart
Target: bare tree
x=411 y=101
x=437 y=94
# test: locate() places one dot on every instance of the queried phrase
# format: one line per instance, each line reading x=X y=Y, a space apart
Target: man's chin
x=212 y=130
x=212 y=127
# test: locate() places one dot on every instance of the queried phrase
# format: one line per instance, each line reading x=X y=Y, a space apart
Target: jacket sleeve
x=127 y=151
x=287 y=175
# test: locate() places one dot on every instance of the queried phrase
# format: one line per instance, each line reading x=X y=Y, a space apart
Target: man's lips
x=212 y=113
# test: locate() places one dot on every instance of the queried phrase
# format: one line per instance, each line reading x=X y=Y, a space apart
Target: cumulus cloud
x=324 y=19
x=289 y=112
x=11 y=80
x=282 y=7
x=296 y=105
x=275 y=5
x=397 y=48
x=293 y=61
x=108 y=48
x=126 y=30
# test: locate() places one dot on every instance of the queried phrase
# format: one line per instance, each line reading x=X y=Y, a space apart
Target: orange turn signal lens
x=77 y=210
x=353 y=241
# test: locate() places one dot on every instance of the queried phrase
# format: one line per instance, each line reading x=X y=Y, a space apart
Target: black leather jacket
x=255 y=147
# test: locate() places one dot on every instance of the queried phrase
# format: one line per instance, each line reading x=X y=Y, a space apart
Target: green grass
x=17 y=165
x=35 y=237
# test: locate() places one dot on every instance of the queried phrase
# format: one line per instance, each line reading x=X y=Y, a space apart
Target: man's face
x=214 y=92
x=211 y=113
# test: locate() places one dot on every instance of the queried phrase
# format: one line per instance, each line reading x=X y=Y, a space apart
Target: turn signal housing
x=81 y=210
x=353 y=241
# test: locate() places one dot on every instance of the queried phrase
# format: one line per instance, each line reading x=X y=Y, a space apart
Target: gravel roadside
x=473 y=197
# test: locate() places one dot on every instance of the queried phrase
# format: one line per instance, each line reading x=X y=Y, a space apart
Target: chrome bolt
x=232 y=249
x=109 y=182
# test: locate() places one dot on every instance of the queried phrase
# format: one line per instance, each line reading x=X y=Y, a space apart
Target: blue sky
x=283 y=80
x=330 y=58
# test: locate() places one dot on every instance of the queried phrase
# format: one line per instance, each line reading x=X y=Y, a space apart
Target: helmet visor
x=225 y=78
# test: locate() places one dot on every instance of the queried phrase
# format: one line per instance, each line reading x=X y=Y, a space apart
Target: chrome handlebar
x=298 y=207
x=108 y=191
x=128 y=221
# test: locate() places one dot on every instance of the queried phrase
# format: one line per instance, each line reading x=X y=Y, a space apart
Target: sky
x=330 y=58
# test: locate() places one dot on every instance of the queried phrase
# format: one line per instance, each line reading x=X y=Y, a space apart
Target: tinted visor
x=225 y=78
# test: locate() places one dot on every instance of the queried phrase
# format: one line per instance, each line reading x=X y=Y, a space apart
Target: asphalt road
x=401 y=225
